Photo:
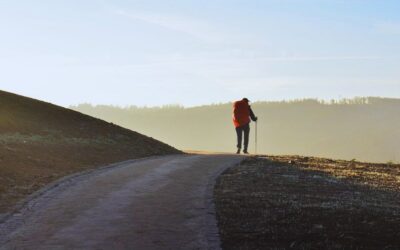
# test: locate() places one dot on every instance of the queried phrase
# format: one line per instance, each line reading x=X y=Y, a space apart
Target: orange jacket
x=241 y=113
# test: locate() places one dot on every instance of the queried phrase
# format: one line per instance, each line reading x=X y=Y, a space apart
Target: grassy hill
x=41 y=142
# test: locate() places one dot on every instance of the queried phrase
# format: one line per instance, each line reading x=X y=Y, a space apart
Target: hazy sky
x=155 y=52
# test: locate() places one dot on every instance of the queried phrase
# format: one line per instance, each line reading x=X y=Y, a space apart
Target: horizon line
x=326 y=101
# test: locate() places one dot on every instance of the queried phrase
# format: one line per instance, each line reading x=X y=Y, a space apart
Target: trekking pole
x=256 y=138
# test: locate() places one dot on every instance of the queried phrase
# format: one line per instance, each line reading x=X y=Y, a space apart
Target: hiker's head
x=246 y=100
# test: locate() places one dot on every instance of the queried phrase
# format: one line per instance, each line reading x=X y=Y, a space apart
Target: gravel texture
x=155 y=203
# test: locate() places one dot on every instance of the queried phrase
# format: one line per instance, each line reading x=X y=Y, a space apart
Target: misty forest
x=366 y=129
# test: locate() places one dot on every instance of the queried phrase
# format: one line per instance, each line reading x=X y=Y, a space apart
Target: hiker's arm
x=252 y=116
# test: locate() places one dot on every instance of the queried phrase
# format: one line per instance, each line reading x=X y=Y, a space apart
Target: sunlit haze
x=199 y=52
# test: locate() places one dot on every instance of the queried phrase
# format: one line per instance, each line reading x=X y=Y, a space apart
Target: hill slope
x=40 y=142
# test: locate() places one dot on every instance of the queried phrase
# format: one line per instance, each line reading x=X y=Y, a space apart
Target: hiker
x=241 y=119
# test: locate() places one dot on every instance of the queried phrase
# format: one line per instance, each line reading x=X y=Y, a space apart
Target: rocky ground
x=293 y=202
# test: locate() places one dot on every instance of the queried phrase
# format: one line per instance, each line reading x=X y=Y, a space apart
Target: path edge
x=211 y=222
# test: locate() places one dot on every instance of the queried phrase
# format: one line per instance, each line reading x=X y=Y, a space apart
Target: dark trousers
x=239 y=132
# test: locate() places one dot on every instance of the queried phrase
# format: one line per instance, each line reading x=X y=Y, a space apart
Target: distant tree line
x=363 y=128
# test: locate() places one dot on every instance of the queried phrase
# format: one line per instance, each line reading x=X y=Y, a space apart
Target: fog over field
x=366 y=129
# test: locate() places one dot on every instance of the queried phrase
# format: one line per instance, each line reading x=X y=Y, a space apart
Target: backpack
x=241 y=113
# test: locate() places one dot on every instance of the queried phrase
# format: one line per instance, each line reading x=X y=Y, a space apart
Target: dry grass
x=284 y=202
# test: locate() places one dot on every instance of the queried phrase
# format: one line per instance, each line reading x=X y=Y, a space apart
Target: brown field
x=293 y=202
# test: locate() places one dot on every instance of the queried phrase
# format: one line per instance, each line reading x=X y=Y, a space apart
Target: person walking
x=242 y=113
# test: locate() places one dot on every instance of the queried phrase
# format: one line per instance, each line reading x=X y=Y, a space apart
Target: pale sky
x=156 y=52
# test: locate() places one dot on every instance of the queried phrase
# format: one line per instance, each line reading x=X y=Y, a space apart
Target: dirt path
x=157 y=203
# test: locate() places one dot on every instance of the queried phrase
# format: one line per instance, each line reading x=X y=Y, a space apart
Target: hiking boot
x=238 y=151
x=245 y=152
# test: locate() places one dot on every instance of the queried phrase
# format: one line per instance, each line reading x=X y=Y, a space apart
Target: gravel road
x=155 y=203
